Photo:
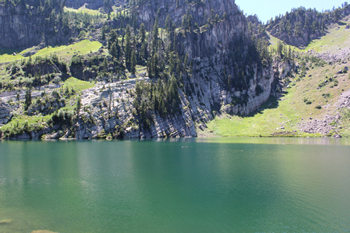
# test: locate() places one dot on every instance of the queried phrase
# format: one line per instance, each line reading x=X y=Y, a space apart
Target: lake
x=184 y=185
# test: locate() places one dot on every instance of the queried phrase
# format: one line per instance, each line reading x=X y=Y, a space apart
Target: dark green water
x=193 y=185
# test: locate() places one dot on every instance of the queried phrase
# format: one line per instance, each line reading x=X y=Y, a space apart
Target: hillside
x=300 y=26
x=149 y=69
x=315 y=100
x=156 y=68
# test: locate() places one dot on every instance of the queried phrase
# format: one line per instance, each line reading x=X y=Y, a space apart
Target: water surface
x=186 y=185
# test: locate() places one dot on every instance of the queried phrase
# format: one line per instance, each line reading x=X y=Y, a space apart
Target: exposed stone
x=5 y=113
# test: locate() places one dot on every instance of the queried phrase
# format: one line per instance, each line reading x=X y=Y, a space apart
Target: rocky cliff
x=23 y=26
x=200 y=12
x=19 y=27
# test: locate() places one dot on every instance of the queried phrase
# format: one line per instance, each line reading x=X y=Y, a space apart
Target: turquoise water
x=187 y=185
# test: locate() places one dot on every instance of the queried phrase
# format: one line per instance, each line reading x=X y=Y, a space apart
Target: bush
x=76 y=61
x=56 y=80
x=306 y=101
x=318 y=107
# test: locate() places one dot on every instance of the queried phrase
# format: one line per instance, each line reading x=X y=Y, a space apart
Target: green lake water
x=185 y=185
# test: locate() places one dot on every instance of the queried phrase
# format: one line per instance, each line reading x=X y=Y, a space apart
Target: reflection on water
x=185 y=185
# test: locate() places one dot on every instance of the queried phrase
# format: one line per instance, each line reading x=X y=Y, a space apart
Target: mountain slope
x=150 y=81
x=315 y=100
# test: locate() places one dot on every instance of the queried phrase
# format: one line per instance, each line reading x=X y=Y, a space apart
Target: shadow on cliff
x=9 y=51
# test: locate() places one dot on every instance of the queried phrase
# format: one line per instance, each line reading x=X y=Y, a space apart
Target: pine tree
x=155 y=37
x=113 y=51
x=154 y=65
x=103 y=33
x=133 y=62
x=168 y=23
x=105 y=65
x=113 y=37
x=28 y=99
x=127 y=47
x=78 y=102
x=108 y=7
x=142 y=33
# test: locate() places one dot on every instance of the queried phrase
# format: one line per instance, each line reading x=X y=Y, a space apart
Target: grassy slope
x=65 y=51
x=291 y=108
x=337 y=37
x=83 y=10
x=76 y=84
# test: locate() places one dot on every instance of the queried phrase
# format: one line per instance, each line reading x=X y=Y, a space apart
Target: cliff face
x=18 y=28
x=176 y=9
x=26 y=26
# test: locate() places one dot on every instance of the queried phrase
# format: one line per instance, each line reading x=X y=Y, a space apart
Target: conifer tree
x=103 y=33
x=127 y=47
x=142 y=33
x=133 y=62
x=155 y=37
x=28 y=98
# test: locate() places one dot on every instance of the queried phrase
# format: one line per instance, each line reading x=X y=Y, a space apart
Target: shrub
x=318 y=107
x=76 y=61
x=56 y=80
x=306 y=101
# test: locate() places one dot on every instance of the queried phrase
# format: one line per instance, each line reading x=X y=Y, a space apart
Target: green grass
x=83 y=10
x=64 y=52
x=21 y=120
x=39 y=122
x=6 y=55
x=76 y=84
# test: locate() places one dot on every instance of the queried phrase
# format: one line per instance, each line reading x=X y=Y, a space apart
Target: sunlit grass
x=64 y=52
x=83 y=10
x=76 y=84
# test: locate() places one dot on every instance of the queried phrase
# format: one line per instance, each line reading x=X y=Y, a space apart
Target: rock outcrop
x=200 y=12
x=109 y=110
x=5 y=113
